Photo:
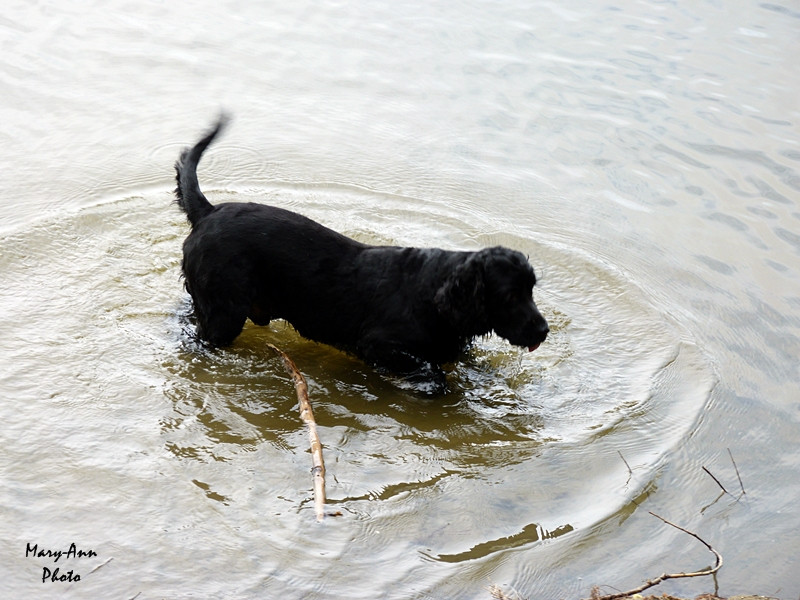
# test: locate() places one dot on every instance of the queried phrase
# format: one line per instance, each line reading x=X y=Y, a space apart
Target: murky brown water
x=645 y=157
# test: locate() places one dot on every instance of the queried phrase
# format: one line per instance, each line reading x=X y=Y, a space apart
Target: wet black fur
x=406 y=310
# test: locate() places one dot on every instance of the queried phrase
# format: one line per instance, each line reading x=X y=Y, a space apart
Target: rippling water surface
x=644 y=156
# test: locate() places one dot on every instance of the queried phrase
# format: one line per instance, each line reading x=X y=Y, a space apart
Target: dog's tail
x=187 y=193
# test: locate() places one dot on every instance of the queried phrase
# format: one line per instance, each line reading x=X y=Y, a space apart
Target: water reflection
x=530 y=534
x=644 y=156
x=514 y=429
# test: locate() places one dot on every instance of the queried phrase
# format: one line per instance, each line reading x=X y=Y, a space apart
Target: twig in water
x=100 y=565
x=318 y=468
x=630 y=471
x=498 y=593
x=741 y=485
x=722 y=487
x=663 y=577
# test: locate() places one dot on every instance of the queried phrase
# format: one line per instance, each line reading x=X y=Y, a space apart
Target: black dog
x=405 y=310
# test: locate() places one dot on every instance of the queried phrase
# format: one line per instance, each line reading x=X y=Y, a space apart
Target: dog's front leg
x=424 y=375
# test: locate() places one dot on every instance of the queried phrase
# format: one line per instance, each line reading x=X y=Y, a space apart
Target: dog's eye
x=519 y=295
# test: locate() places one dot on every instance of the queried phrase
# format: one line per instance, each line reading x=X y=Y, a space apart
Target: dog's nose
x=540 y=331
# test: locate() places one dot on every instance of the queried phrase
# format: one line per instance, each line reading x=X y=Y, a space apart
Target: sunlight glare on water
x=642 y=155
x=228 y=416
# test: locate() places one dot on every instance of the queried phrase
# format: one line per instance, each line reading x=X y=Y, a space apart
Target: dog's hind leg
x=219 y=322
x=258 y=315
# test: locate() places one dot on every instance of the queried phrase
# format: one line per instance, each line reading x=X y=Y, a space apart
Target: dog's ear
x=462 y=298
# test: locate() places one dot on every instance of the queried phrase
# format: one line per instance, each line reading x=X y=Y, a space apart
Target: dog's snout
x=538 y=322
x=539 y=327
x=538 y=331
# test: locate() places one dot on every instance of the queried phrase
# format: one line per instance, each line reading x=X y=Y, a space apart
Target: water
x=645 y=157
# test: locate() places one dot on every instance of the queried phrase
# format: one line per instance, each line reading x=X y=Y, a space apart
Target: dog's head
x=493 y=290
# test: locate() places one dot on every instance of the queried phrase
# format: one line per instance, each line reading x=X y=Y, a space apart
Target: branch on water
x=741 y=485
x=663 y=577
x=722 y=487
x=630 y=471
x=318 y=465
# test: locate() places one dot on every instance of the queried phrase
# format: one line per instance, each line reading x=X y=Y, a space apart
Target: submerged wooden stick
x=318 y=468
